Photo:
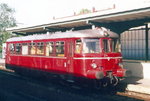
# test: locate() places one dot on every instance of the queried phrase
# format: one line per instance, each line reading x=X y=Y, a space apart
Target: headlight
x=121 y=65
x=94 y=65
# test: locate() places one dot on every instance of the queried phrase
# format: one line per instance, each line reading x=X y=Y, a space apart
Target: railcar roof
x=89 y=33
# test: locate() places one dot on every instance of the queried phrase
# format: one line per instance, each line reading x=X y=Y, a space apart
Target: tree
x=6 y=20
x=84 y=11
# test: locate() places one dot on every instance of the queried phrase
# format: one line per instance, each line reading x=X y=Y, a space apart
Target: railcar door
x=106 y=46
x=10 y=54
x=106 y=49
x=60 y=59
x=7 y=58
x=70 y=53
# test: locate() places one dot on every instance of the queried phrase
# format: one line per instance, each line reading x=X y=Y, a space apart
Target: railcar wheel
x=105 y=82
x=97 y=84
x=114 y=81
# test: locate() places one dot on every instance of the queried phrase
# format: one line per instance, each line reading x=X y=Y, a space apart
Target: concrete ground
x=2 y=60
x=139 y=85
x=134 y=84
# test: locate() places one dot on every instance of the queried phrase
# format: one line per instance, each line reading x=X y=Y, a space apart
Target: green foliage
x=6 y=20
x=4 y=36
x=6 y=17
x=84 y=11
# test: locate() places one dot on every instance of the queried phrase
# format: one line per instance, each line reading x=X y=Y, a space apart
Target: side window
x=40 y=48
x=12 y=48
x=24 y=49
x=18 y=48
x=49 y=48
x=78 y=46
x=106 y=45
x=60 y=48
x=32 y=48
x=116 y=46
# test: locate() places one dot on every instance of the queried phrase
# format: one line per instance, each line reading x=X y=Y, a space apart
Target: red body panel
x=71 y=63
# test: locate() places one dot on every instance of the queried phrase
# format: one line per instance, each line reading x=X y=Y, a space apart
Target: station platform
x=2 y=62
x=134 y=84
x=137 y=84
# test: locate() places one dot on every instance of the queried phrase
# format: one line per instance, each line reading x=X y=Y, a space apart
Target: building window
x=40 y=48
x=49 y=48
x=133 y=44
x=24 y=49
x=12 y=48
x=32 y=48
x=18 y=48
x=60 y=48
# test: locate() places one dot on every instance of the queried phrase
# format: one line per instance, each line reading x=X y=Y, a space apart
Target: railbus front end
x=99 y=59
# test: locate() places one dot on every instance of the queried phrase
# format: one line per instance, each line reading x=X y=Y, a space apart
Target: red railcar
x=92 y=53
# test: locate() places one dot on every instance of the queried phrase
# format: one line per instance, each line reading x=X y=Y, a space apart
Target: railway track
x=140 y=96
x=17 y=87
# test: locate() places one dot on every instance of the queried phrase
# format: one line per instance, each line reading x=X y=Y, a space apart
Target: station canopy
x=115 y=20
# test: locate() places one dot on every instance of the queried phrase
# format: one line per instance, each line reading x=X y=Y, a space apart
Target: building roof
x=95 y=33
x=115 y=20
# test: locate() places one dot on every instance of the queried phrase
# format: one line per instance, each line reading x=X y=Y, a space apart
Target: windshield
x=116 y=46
x=91 y=46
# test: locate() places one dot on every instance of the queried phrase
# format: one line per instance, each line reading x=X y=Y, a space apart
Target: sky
x=34 y=12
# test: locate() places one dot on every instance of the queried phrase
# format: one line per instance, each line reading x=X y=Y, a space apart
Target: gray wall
x=133 y=44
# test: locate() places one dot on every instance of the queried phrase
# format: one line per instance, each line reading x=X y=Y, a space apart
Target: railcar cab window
x=18 y=48
x=40 y=48
x=12 y=48
x=49 y=48
x=24 y=49
x=60 y=49
x=32 y=48
x=106 y=45
x=116 y=46
x=78 y=46
x=91 y=46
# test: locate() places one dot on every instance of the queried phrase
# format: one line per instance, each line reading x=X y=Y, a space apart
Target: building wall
x=134 y=52
x=3 y=50
x=133 y=44
x=138 y=69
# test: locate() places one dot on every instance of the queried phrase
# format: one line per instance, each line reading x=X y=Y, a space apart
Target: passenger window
x=40 y=48
x=49 y=48
x=18 y=48
x=32 y=49
x=106 y=45
x=78 y=46
x=24 y=49
x=12 y=48
x=60 y=49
